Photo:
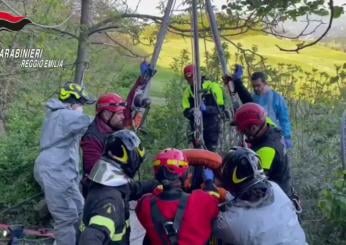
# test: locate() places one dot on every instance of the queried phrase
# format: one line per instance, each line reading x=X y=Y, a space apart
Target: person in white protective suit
x=259 y=212
x=57 y=166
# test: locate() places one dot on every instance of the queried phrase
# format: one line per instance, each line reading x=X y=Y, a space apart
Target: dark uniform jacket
x=271 y=149
x=106 y=212
x=213 y=98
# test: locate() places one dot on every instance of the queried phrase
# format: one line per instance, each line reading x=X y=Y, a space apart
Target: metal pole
x=197 y=77
x=162 y=32
x=159 y=40
x=235 y=102
x=216 y=36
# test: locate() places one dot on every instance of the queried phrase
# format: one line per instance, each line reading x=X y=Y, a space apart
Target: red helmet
x=189 y=70
x=110 y=102
x=170 y=163
x=248 y=115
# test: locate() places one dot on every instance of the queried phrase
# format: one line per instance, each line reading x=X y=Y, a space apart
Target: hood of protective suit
x=271 y=224
x=267 y=199
x=55 y=104
x=59 y=156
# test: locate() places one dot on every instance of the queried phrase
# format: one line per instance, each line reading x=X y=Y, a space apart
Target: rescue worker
x=267 y=141
x=172 y=216
x=57 y=166
x=106 y=211
x=109 y=118
x=274 y=103
x=111 y=113
x=259 y=211
x=212 y=106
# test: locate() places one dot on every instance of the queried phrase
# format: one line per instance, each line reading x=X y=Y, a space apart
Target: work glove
x=146 y=70
x=238 y=72
x=288 y=143
x=226 y=79
x=190 y=114
x=208 y=175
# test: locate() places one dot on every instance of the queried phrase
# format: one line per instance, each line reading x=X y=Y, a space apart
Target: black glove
x=227 y=78
x=189 y=113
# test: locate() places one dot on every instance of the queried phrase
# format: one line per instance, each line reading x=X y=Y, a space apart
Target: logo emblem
x=9 y=22
x=235 y=178
x=124 y=159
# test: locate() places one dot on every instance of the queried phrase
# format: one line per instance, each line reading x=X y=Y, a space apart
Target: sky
x=149 y=6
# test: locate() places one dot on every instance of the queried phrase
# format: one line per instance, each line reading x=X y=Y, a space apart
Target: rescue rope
x=6 y=210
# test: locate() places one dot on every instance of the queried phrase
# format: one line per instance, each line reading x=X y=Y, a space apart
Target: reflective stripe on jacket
x=271 y=149
x=212 y=91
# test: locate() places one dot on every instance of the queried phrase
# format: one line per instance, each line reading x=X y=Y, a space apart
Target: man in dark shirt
x=109 y=118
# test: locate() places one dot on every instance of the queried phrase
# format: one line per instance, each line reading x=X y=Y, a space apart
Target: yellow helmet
x=75 y=94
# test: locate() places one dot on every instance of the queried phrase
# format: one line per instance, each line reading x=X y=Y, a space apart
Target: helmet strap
x=259 y=130
x=108 y=121
x=246 y=188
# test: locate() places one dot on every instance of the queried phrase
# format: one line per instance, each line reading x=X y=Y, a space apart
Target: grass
x=318 y=56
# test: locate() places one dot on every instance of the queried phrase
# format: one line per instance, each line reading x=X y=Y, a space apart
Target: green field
x=319 y=57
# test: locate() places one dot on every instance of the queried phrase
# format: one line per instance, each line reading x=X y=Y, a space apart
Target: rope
x=20 y=203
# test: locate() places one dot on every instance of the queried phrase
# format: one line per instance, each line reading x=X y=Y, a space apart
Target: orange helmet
x=170 y=164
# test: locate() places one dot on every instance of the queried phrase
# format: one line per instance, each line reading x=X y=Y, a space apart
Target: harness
x=169 y=228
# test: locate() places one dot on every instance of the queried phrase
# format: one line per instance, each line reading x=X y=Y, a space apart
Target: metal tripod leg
x=197 y=78
x=221 y=55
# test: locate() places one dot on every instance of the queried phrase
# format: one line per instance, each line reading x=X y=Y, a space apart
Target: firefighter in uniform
x=259 y=211
x=267 y=141
x=212 y=106
x=106 y=211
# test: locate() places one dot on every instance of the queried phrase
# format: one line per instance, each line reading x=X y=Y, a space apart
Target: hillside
x=319 y=57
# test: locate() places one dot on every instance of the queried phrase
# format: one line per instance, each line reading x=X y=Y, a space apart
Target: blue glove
x=208 y=174
x=146 y=70
x=288 y=143
x=203 y=107
x=238 y=72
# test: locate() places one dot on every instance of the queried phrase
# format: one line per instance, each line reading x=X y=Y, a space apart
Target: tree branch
x=60 y=31
x=242 y=50
x=302 y=45
x=95 y=27
x=301 y=34
x=100 y=30
x=123 y=46
x=116 y=46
